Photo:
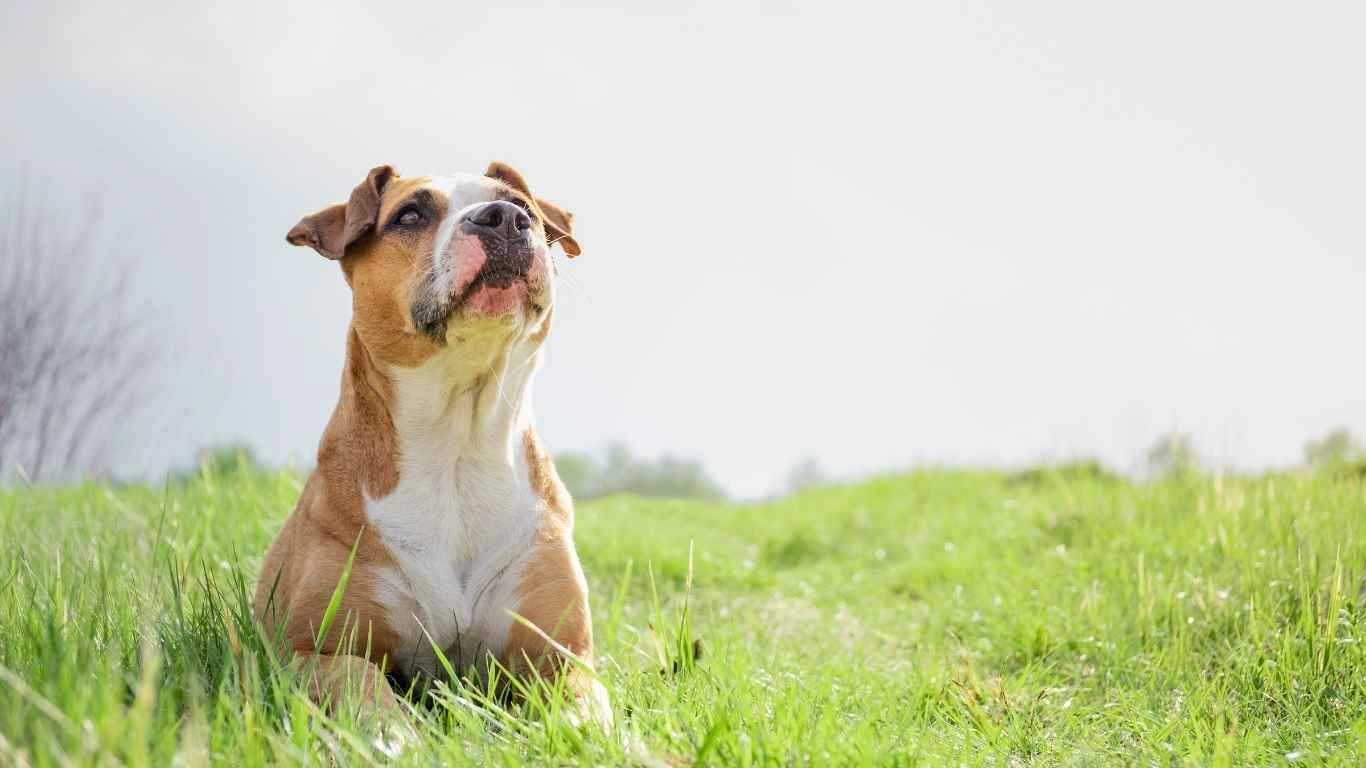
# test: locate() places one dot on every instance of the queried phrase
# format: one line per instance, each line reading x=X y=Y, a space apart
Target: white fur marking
x=462 y=521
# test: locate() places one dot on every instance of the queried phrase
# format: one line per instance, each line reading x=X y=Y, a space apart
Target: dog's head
x=443 y=261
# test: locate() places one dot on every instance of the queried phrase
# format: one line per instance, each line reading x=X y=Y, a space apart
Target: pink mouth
x=470 y=257
x=496 y=296
x=490 y=300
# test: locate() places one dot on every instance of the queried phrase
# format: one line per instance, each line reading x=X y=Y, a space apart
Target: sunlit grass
x=935 y=618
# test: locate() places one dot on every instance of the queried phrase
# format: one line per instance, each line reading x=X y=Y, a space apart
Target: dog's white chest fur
x=460 y=524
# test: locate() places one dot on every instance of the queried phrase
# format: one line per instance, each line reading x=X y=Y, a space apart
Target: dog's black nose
x=501 y=219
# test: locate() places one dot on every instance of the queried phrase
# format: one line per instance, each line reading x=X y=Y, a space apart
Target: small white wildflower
x=881 y=554
x=1293 y=756
x=391 y=742
x=1060 y=550
x=948 y=546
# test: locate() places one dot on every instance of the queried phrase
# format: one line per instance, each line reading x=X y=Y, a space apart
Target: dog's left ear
x=559 y=223
x=333 y=229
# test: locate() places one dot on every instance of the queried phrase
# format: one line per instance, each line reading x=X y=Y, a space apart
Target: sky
x=941 y=233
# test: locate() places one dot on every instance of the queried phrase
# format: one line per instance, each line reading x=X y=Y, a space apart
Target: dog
x=432 y=492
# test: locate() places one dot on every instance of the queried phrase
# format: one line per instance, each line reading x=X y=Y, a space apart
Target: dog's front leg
x=553 y=624
x=334 y=680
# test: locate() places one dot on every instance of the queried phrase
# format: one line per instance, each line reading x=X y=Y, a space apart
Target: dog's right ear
x=333 y=229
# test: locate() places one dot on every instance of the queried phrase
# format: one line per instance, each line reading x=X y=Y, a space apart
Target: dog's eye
x=409 y=216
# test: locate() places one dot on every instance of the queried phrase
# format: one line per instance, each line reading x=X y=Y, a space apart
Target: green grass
x=1047 y=618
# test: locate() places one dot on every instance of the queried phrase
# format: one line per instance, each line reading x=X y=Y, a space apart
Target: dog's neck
x=463 y=413
x=468 y=405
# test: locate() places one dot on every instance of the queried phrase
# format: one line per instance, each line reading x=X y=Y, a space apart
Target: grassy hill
x=1050 y=617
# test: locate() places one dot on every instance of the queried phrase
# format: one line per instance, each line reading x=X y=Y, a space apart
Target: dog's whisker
x=572 y=281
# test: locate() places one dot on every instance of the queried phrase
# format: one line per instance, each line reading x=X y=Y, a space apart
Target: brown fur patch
x=357 y=457
x=553 y=594
x=382 y=273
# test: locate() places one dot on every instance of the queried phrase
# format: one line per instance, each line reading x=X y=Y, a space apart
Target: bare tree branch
x=74 y=357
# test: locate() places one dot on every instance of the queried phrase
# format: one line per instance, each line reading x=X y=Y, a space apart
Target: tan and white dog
x=430 y=467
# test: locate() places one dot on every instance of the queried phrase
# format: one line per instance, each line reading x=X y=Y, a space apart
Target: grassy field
x=1049 y=618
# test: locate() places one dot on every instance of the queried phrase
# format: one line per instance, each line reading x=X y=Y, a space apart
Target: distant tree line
x=1174 y=454
x=587 y=477
x=619 y=471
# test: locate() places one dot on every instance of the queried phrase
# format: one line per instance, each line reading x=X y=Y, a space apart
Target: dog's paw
x=593 y=707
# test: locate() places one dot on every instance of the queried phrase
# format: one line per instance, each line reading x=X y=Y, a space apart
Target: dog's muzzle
x=486 y=264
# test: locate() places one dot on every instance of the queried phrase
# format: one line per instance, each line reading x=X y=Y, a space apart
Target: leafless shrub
x=74 y=357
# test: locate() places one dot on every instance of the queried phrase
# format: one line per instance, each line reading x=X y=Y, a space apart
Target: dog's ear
x=559 y=223
x=334 y=228
x=509 y=176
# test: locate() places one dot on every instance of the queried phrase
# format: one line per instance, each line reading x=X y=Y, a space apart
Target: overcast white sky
x=950 y=232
